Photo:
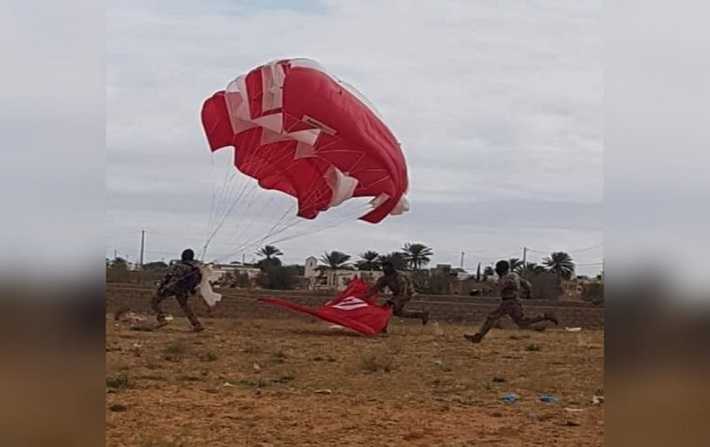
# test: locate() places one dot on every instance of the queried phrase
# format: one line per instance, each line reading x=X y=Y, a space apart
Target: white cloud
x=51 y=123
x=500 y=101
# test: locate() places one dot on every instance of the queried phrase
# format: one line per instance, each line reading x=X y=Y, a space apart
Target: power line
x=573 y=251
x=579 y=250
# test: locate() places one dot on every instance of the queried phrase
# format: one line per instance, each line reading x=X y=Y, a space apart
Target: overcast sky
x=498 y=106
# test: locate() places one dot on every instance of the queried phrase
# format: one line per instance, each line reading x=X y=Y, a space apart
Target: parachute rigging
x=298 y=132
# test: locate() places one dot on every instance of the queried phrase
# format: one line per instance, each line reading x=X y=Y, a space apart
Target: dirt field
x=300 y=383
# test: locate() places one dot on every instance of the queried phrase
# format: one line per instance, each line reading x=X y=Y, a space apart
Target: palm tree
x=488 y=271
x=335 y=259
x=369 y=261
x=516 y=265
x=532 y=267
x=417 y=255
x=270 y=256
x=560 y=263
x=398 y=260
x=269 y=252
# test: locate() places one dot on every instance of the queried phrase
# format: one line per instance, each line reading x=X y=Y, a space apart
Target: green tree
x=270 y=257
x=335 y=259
x=269 y=252
x=155 y=266
x=119 y=263
x=117 y=270
x=297 y=269
x=369 y=261
x=516 y=265
x=398 y=260
x=561 y=264
x=276 y=277
x=417 y=255
x=532 y=267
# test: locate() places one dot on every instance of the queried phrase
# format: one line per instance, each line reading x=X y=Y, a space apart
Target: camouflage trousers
x=181 y=298
x=398 y=303
x=514 y=309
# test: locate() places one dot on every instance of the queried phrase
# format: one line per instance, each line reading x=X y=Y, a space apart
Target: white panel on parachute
x=343 y=186
x=402 y=207
x=205 y=288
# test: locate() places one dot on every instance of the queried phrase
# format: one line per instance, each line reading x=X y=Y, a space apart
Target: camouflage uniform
x=402 y=292
x=180 y=281
x=510 y=286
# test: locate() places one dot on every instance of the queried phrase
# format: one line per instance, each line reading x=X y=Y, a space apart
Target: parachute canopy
x=349 y=309
x=301 y=131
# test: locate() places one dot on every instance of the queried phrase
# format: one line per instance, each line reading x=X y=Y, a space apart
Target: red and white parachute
x=299 y=130
x=350 y=309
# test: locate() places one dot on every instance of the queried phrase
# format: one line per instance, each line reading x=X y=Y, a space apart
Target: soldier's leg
x=487 y=325
x=518 y=315
x=491 y=320
x=187 y=310
x=155 y=305
x=398 y=309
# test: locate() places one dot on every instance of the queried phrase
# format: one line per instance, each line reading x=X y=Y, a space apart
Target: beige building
x=223 y=269
x=322 y=278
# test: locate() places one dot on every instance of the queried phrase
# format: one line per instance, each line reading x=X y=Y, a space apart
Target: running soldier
x=180 y=281
x=510 y=285
x=402 y=292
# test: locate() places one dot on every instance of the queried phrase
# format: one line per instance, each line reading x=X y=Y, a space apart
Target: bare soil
x=299 y=382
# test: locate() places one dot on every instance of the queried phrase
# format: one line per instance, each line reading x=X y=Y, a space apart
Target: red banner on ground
x=349 y=309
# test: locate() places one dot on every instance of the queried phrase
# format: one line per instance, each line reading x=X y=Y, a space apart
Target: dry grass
x=373 y=362
x=118 y=382
x=209 y=357
x=413 y=387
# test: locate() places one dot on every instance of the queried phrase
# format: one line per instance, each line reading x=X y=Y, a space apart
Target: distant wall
x=242 y=303
x=146 y=277
x=593 y=292
x=545 y=285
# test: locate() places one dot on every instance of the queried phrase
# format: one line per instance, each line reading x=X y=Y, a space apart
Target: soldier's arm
x=198 y=278
x=376 y=288
x=526 y=286
x=173 y=274
x=168 y=275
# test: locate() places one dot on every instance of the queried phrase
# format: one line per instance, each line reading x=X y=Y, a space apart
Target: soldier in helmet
x=510 y=285
x=180 y=281
x=402 y=292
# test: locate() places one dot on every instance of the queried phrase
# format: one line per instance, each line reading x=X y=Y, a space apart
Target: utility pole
x=525 y=255
x=142 y=247
x=115 y=253
x=462 y=254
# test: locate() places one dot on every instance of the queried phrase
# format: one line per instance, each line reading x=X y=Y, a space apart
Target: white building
x=311 y=268
x=320 y=277
x=222 y=269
